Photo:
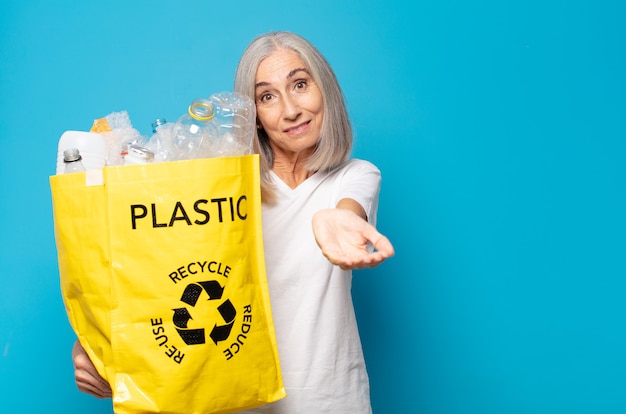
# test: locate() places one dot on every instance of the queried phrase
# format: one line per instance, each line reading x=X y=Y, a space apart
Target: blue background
x=500 y=129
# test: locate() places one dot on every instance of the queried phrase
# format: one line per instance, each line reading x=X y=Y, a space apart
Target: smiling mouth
x=298 y=128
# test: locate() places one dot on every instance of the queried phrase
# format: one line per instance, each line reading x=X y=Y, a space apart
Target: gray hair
x=335 y=141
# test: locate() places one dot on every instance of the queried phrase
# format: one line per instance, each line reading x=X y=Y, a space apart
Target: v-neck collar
x=303 y=186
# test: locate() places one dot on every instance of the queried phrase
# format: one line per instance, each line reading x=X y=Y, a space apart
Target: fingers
x=89 y=384
x=381 y=244
x=88 y=380
x=359 y=259
x=371 y=260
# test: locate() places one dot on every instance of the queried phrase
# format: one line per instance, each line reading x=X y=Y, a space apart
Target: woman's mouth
x=298 y=129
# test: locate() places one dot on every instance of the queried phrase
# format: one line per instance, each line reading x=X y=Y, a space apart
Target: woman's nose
x=291 y=109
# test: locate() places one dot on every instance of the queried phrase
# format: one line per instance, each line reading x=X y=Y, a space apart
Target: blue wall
x=500 y=129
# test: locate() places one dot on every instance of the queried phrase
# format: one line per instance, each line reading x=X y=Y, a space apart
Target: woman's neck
x=291 y=170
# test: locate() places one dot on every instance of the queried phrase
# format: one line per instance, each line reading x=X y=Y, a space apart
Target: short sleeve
x=360 y=181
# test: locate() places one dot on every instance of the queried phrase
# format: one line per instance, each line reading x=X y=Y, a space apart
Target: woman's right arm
x=87 y=378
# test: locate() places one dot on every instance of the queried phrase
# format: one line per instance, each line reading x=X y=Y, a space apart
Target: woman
x=319 y=211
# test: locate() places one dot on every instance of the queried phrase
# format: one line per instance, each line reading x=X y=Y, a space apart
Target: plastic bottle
x=73 y=161
x=236 y=115
x=157 y=123
x=138 y=155
x=160 y=142
x=92 y=147
x=193 y=132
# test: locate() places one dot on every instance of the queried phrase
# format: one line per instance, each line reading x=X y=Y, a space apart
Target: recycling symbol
x=196 y=336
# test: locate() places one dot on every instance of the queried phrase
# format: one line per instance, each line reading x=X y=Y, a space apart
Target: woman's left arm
x=344 y=235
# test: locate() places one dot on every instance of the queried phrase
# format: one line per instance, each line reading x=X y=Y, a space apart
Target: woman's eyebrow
x=293 y=72
x=290 y=75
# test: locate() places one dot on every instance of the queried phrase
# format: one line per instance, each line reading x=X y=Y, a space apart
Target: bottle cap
x=201 y=109
x=71 y=155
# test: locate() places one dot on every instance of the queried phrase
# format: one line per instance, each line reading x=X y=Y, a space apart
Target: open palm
x=344 y=238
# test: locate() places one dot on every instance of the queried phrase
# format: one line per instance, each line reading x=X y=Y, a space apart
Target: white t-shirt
x=318 y=340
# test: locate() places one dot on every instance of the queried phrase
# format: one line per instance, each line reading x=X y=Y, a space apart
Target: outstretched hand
x=343 y=237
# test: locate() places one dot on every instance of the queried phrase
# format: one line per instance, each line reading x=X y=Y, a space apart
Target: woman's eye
x=265 y=98
x=301 y=85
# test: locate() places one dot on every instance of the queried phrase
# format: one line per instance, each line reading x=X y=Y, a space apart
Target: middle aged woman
x=319 y=210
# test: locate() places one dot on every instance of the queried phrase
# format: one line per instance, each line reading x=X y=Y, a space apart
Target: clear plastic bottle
x=160 y=142
x=73 y=161
x=193 y=132
x=236 y=115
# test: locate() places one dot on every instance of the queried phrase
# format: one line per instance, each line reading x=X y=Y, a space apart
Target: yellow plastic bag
x=163 y=278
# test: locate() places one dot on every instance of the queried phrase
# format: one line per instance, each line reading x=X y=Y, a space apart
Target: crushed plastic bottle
x=160 y=142
x=236 y=115
x=194 y=132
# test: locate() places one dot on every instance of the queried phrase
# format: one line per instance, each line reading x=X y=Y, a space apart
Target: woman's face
x=289 y=103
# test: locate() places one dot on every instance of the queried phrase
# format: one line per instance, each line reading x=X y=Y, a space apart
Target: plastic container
x=194 y=132
x=91 y=146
